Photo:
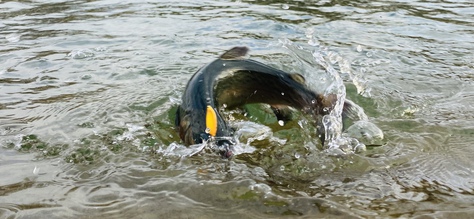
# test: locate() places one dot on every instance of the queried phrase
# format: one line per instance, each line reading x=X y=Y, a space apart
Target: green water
x=88 y=91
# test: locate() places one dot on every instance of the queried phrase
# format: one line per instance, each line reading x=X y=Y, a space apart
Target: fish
x=231 y=81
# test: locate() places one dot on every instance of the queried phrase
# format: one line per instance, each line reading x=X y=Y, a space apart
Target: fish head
x=225 y=147
x=204 y=126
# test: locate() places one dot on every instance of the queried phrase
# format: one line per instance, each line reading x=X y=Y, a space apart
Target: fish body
x=232 y=81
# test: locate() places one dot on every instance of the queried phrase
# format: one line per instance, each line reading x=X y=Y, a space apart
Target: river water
x=88 y=91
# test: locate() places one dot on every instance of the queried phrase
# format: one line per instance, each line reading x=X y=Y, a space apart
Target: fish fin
x=185 y=131
x=298 y=78
x=177 y=119
x=238 y=52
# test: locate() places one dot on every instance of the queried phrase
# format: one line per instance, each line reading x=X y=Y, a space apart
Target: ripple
x=445 y=167
x=81 y=54
x=18 y=80
x=76 y=73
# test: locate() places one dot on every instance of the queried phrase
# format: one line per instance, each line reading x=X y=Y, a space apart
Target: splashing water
x=246 y=134
x=337 y=142
x=332 y=122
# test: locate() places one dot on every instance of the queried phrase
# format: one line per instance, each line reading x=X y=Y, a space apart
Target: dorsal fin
x=238 y=52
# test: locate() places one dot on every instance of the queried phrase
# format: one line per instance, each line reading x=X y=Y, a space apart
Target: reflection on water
x=88 y=91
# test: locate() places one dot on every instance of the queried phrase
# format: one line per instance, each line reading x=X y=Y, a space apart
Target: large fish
x=232 y=81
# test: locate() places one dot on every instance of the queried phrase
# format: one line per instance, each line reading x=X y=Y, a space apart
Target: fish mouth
x=225 y=147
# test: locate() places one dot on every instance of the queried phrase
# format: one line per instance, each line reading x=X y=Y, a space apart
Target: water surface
x=88 y=91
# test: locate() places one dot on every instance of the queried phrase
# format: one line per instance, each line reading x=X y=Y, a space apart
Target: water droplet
x=81 y=54
x=313 y=42
x=281 y=122
x=300 y=123
x=313 y=101
x=36 y=170
x=223 y=64
x=359 y=48
x=86 y=77
x=360 y=148
x=297 y=155
x=282 y=93
x=309 y=32
x=100 y=49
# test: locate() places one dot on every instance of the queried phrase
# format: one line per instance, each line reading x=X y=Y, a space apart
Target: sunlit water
x=88 y=91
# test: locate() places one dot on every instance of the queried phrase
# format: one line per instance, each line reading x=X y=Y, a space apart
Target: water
x=88 y=90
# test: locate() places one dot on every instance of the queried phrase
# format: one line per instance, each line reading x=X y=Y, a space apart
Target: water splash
x=81 y=54
x=337 y=142
x=250 y=132
x=131 y=133
x=175 y=149
x=247 y=133
x=365 y=132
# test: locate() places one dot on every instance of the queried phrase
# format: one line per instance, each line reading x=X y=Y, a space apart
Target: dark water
x=88 y=90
